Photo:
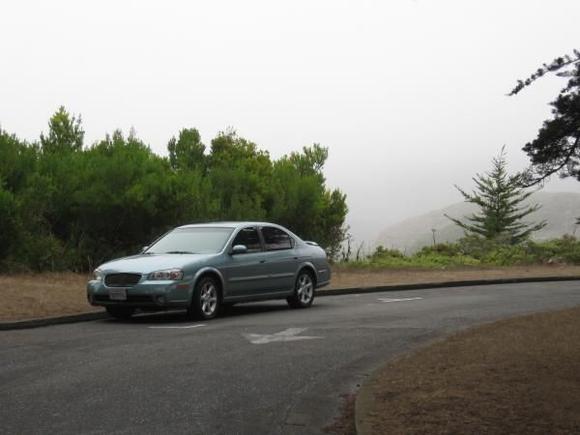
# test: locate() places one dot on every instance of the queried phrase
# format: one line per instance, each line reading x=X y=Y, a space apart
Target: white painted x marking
x=387 y=300
x=290 y=334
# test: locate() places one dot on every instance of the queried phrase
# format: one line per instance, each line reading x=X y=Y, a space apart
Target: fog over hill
x=558 y=209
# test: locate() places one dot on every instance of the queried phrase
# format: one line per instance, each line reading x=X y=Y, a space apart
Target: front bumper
x=145 y=294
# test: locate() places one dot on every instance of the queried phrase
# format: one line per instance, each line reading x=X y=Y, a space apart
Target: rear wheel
x=123 y=313
x=303 y=291
x=205 y=302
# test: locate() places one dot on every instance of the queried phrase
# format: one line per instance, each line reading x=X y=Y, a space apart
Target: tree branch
x=553 y=171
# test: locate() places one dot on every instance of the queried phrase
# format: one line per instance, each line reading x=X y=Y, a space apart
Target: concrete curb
x=36 y=323
x=47 y=321
x=441 y=284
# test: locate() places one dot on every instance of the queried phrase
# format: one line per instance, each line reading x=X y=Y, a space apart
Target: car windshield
x=195 y=240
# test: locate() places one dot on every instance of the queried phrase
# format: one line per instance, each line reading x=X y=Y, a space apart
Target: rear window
x=276 y=239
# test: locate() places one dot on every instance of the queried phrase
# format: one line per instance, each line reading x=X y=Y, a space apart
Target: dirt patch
x=518 y=376
x=43 y=295
x=344 y=424
x=354 y=277
x=53 y=294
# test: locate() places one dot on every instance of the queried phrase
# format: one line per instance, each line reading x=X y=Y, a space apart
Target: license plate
x=118 y=294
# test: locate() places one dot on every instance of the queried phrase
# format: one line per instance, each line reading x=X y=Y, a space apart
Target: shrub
x=476 y=251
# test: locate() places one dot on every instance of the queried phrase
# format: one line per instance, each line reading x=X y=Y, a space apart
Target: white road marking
x=176 y=327
x=387 y=300
x=290 y=334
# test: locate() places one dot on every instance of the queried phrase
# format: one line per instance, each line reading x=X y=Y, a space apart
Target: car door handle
x=262 y=261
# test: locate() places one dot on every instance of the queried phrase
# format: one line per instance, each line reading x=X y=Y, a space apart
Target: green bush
x=446 y=249
x=66 y=206
x=474 y=251
x=382 y=252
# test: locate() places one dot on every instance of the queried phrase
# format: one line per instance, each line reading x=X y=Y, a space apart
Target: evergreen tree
x=65 y=133
x=64 y=206
x=499 y=197
x=187 y=151
x=556 y=149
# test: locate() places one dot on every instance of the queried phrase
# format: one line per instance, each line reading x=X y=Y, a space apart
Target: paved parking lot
x=263 y=368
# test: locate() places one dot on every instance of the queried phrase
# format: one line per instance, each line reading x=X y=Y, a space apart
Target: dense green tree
x=187 y=151
x=310 y=161
x=556 y=149
x=65 y=133
x=301 y=201
x=18 y=161
x=121 y=198
x=65 y=206
x=499 y=197
x=240 y=175
x=9 y=223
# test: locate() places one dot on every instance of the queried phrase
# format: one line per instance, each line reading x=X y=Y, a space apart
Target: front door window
x=249 y=238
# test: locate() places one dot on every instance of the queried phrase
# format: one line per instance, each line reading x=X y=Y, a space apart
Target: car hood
x=147 y=263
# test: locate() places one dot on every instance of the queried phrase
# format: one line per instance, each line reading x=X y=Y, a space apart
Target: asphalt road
x=262 y=369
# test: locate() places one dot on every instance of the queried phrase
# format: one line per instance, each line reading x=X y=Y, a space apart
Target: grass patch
x=517 y=376
x=476 y=252
x=29 y=296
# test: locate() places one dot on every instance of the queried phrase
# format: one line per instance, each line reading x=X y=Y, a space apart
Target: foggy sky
x=409 y=96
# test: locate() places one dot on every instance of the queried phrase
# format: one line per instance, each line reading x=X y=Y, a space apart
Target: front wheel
x=303 y=291
x=205 y=301
x=122 y=313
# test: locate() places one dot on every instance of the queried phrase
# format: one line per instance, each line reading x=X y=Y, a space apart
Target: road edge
x=440 y=284
x=85 y=317
x=363 y=399
x=48 y=321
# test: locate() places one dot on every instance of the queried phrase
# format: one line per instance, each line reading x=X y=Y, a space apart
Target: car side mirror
x=239 y=249
x=144 y=248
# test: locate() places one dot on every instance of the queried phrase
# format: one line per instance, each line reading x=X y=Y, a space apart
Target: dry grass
x=518 y=376
x=42 y=295
x=344 y=424
x=53 y=294
x=356 y=277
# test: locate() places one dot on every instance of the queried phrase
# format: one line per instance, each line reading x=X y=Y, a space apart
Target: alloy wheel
x=209 y=298
x=305 y=289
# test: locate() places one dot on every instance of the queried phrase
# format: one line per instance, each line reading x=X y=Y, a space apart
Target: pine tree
x=65 y=133
x=556 y=149
x=499 y=197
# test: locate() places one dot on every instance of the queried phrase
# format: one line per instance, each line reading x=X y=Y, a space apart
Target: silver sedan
x=204 y=267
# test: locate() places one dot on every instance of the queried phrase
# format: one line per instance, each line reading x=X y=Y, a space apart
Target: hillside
x=558 y=209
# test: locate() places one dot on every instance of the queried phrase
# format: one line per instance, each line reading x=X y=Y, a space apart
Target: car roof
x=230 y=224
x=239 y=224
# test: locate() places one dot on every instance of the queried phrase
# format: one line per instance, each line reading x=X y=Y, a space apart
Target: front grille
x=130 y=298
x=122 y=279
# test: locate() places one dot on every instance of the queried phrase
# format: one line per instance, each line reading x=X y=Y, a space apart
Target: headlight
x=98 y=275
x=166 y=275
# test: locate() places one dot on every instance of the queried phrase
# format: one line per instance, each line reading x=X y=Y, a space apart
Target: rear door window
x=250 y=238
x=276 y=239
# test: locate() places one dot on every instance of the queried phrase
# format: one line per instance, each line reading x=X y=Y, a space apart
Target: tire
x=303 y=290
x=122 y=313
x=205 y=303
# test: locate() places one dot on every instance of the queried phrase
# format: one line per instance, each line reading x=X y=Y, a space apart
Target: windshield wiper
x=180 y=252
